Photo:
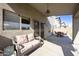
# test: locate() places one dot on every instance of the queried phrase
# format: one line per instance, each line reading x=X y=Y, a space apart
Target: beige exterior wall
x=76 y=28
x=24 y=10
x=52 y=24
x=76 y=25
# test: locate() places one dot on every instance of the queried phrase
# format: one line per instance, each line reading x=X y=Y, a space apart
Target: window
x=11 y=21
x=25 y=23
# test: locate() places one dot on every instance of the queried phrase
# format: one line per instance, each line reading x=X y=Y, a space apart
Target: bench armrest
x=17 y=47
x=40 y=39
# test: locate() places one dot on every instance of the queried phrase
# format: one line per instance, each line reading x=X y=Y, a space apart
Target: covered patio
x=36 y=12
x=63 y=45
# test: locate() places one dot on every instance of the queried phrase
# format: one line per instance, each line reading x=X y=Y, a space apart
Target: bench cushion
x=27 y=46
x=35 y=42
x=30 y=37
x=20 y=39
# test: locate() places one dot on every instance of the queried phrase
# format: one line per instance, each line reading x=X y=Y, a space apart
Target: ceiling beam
x=76 y=10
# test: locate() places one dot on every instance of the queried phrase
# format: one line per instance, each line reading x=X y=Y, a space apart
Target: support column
x=76 y=30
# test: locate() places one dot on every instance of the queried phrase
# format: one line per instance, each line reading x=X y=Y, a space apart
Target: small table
x=41 y=40
x=1 y=53
x=14 y=54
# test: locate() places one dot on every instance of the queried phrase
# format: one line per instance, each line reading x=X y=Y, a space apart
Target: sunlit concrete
x=57 y=46
x=48 y=49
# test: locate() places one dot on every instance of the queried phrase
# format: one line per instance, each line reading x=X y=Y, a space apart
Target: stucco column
x=76 y=30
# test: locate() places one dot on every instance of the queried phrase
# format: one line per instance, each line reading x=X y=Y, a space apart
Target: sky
x=67 y=19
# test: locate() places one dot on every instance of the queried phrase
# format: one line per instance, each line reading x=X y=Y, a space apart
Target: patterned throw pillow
x=30 y=37
x=21 y=39
x=8 y=51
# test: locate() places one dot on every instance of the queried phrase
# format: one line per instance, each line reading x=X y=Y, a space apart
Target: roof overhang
x=56 y=9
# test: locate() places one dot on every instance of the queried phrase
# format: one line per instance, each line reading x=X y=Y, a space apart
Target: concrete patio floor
x=57 y=46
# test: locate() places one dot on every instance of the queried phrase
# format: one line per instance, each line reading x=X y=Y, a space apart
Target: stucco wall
x=24 y=10
x=51 y=24
x=76 y=28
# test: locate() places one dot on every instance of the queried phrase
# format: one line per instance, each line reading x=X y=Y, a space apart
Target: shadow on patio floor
x=64 y=42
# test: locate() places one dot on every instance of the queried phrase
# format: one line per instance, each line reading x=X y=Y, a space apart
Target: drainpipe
x=59 y=21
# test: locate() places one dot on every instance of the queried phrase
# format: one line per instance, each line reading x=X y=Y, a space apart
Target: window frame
x=20 y=19
x=23 y=17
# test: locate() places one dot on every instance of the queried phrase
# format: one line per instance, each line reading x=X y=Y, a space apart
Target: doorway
x=42 y=30
x=36 y=28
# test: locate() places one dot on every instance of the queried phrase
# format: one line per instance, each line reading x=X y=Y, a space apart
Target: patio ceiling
x=55 y=8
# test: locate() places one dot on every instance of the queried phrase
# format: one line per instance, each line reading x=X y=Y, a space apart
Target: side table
x=1 y=53
x=41 y=40
x=14 y=54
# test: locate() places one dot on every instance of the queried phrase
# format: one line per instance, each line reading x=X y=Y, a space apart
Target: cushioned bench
x=26 y=43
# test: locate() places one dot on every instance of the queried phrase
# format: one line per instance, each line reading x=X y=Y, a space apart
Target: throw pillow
x=8 y=51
